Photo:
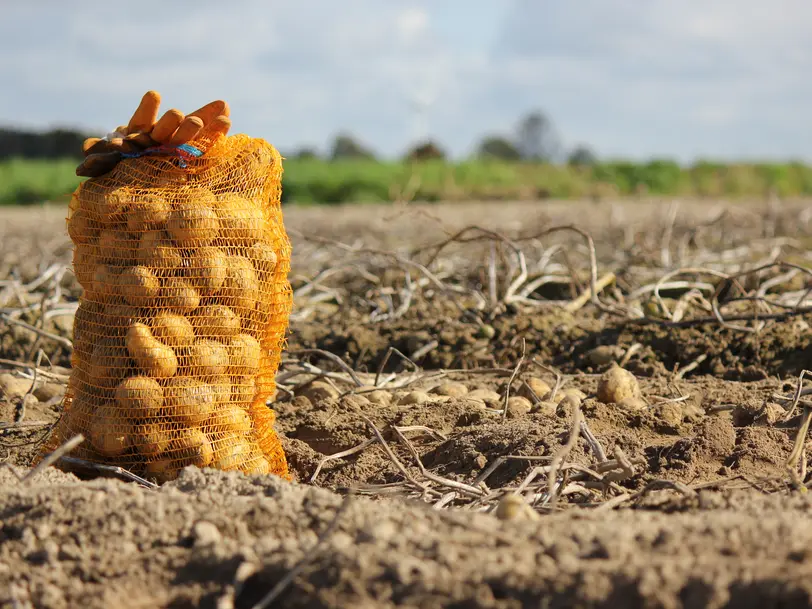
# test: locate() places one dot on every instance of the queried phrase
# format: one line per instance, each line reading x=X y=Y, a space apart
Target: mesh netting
x=178 y=335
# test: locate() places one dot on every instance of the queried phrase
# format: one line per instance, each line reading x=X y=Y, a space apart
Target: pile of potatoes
x=168 y=338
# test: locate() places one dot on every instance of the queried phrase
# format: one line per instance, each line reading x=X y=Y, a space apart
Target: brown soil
x=706 y=518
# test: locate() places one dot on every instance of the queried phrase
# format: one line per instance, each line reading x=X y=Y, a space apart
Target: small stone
x=604 y=354
x=318 y=391
x=670 y=414
x=379 y=397
x=535 y=385
x=484 y=395
x=547 y=409
x=617 y=384
x=414 y=397
x=205 y=534
x=481 y=461
x=451 y=389
x=517 y=407
x=632 y=404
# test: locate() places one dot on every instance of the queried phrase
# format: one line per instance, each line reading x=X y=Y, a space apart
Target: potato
x=195 y=226
x=162 y=470
x=231 y=419
x=241 y=288
x=256 y=466
x=150 y=440
x=188 y=401
x=116 y=246
x=85 y=260
x=241 y=219
x=178 y=295
x=215 y=321
x=244 y=353
x=172 y=329
x=148 y=211
x=191 y=447
x=255 y=322
x=264 y=260
x=153 y=357
x=140 y=397
x=156 y=251
x=110 y=433
x=221 y=385
x=207 y=269
x=108 y=364
x=117 y=318
x=616 y=385
x=104 y=286
x=114 y=205
x=230 y=452
x=139 y=286
x=206 y=358
x=82 y=228
x=243 y=390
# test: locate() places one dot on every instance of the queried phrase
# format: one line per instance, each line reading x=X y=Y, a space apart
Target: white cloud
x=728 y=78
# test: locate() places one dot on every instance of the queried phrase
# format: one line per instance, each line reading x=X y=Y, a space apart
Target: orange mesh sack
x=178 y=335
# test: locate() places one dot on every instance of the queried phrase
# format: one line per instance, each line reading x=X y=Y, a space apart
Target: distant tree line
x=53 y=144
x=534 y=139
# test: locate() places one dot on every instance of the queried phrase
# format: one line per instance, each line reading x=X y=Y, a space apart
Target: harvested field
x=444 y=407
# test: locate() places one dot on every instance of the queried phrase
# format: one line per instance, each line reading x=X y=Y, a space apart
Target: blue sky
x=633 y=78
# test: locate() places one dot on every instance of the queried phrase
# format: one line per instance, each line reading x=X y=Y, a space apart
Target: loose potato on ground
x=139 y=286
x=149 y=210
x=194 y=226
x=616 y=385
x=178 y=295
x=205 y=358
x=157 y=252
x=241 y=219
x=140 y=397
x=215 y=321
x=188 y=401
x=153 y=357
x=172 y=329
x=110 y=433
x=244 y=354
x=240 y=288
x=191 y=447
x=207 y=269
x=231 y=419
x=150 y=440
